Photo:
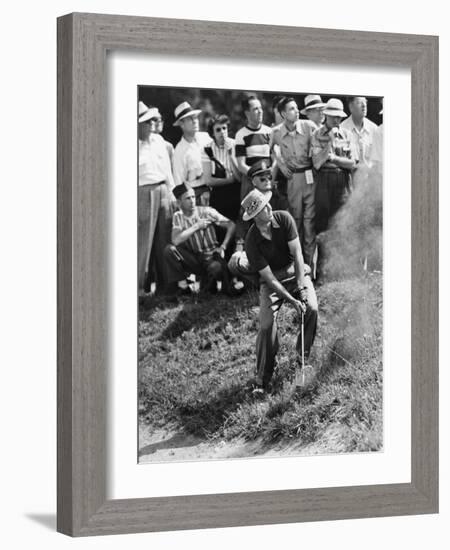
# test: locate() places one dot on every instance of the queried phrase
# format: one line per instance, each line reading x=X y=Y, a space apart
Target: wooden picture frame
x=83 y=42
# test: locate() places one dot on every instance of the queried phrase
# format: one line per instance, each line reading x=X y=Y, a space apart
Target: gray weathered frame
x=83 y=41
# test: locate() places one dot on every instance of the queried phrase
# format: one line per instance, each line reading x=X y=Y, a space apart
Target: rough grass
x=197 y=359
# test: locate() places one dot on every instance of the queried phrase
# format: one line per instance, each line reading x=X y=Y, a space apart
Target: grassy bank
x=197 y=357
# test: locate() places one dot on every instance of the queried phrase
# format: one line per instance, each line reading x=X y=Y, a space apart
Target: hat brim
x=261 y=172
x=190 y=113
x=145 y=117
x=149 y=113
x=335 y=113
x=315 y=106
x=267 y=197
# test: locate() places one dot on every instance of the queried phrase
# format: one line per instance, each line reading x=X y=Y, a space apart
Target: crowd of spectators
x=192 y=183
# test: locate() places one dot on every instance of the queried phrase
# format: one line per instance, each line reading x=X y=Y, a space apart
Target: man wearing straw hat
x=189 y=154
x=274 y=252
x=155 y=197
x=313 y=109
x=334 y=159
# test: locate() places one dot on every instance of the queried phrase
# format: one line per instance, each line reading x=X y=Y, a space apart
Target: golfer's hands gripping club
x=299 y=306
x=304 y=296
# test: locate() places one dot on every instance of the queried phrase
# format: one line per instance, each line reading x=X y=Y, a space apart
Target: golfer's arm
x=299 y=265
x=274 y=284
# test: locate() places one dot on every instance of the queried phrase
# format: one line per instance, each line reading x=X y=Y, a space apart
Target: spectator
x=376 y=157
x=194 y=247
x=313 y=109
x=293 y=140
x=334 y=161
x=276 y=113
x=279 y=187
x=189 y=154
x=361 y=131
x=159 y=130
x=252 y=144
x=252 y=141
x=154 y=206
x=221 y=172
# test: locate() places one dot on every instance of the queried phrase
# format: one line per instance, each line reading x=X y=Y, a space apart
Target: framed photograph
x=179 y=407
x=200 y=395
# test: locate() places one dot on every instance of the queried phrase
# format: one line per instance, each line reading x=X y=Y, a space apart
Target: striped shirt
x=252 y=144
x=203 y=241
x=225 y=155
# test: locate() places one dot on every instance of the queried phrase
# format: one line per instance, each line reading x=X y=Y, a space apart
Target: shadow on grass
x=203 y=310
x=205 y=418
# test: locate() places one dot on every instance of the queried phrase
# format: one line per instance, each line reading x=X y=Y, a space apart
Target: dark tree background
x=213 y=101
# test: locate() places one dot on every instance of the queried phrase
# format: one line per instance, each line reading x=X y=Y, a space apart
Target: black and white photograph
x=222 y=324
x=259 y=274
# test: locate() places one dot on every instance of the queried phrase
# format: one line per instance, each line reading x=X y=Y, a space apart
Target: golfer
x=274 y=252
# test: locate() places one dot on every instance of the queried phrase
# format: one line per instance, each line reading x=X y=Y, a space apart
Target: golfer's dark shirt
x=274 y=253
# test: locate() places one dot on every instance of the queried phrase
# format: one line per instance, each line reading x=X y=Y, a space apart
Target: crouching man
x=274 y=251
x=194 y=247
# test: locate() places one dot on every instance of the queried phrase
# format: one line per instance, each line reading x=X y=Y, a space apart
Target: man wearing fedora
x=189 y=154
x=194 y=247
x=334 y=158
x=155 y=197
x=293 y=141
x=313 y=109
x=274 y=252
x=362 y=134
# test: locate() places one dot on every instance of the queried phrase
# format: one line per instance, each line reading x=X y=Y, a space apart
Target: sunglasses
x=266 y=177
